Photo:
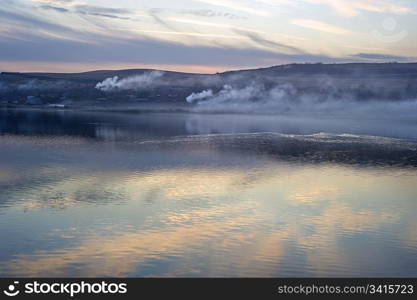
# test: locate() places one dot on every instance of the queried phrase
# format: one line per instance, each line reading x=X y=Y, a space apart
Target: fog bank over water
x=134 y=126
x=287 y=99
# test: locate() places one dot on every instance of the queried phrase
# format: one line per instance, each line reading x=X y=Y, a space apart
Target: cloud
x=103 y=15
x=102 y=10
x=211 y=13
x=353 y=7
x=98 y=11
x=154 y=14
x=54 y=1
x=237 y=29
x=320 y=26
x=29 y=22
x=382 y=57
x=37 y=33
x=56 y=8
x=236 y=5
x=348 y=8
x=64 y=45
x=104 y=49
x=258 y=39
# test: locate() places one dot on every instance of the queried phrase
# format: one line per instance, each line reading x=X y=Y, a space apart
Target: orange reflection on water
x=258 y=225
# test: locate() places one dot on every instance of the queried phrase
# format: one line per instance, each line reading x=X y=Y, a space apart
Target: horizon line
x=213 y=73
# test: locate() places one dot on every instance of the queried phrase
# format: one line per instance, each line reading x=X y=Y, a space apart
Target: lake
x=92 y=194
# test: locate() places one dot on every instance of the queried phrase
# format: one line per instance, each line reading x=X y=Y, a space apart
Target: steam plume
x=136 y=82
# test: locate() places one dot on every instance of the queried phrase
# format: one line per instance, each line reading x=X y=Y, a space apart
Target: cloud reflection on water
x=224 y=222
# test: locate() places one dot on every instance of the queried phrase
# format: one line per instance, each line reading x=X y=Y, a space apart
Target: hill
x=357 y=81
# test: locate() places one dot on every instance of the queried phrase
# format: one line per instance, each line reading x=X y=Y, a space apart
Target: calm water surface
x=100 y=194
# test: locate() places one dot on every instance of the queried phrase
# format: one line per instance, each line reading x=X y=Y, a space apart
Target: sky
x=203 y=36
